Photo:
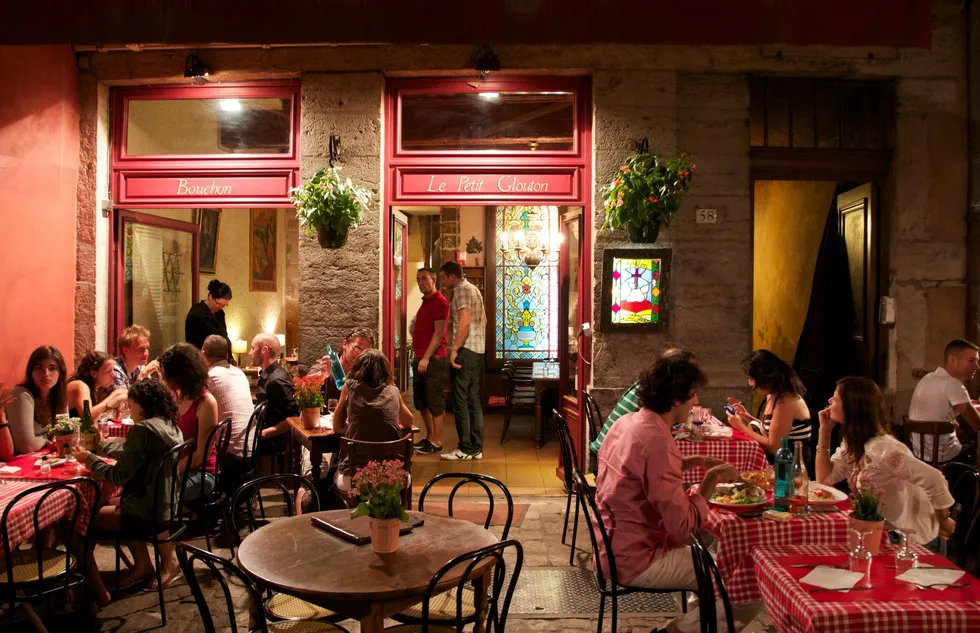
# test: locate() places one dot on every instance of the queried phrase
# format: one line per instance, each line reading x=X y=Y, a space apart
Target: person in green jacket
x=155 y=432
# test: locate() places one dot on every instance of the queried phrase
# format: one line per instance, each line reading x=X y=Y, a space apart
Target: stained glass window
x=526 y=295
x=636 y=291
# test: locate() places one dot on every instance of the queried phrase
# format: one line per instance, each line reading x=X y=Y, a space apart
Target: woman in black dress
x=208 y=316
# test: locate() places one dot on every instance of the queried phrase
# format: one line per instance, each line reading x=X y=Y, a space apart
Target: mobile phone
x=730 y=409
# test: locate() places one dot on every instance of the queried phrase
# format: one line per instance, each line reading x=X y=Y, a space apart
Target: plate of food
x=760 y=478
x=715 y=431
x=821 y=495
x=739 y=497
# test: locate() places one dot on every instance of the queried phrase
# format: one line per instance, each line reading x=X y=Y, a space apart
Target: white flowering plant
x=63 y=425
x=329 y=205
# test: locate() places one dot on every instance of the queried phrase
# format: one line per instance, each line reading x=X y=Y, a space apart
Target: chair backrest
x=359 y=453
x=250 y=495
x=924 y=430
x=964 y=485
x=72 y=493
x=593 y=415
x=469 y=566
x=220 y=570
x=253 y=432
x=566 y=446
x=709 y=585
x=480 y=480
x=217 y=442
x=597 y=534
x=173 y=488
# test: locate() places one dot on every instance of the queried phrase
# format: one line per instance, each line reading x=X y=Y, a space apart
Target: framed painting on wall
x=209 y=220
x=262 y=250
x=634 y=289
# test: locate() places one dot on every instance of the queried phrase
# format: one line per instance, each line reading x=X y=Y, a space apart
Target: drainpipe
x=972 y=15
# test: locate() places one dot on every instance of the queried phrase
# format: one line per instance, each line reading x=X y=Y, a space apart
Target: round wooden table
x=293 y=557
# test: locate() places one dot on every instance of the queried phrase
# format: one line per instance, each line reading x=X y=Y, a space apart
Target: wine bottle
x=801 y=480
x=783 y=486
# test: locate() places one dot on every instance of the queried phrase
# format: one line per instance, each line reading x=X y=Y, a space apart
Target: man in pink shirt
x=639 y=488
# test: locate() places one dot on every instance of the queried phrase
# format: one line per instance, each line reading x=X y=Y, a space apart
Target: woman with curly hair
x=154 y=433
x=36 y=401
x=784 y=413
x=92 y=381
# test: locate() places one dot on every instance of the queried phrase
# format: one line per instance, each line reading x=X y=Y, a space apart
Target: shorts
x=429 y=389
x=132 y=524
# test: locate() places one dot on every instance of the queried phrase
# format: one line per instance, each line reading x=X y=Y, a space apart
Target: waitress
x=208 y=316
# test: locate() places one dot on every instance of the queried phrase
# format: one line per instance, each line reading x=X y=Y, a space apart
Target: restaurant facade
x=869 y=139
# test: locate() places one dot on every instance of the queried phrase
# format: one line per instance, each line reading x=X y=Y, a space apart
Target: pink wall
x=38 y=174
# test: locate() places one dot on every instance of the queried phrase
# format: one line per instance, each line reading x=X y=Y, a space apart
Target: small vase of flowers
x=62 y=432
x=865 y=517
x=308 y=393
x=379 y=487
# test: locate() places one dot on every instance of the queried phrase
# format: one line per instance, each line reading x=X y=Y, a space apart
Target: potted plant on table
x=865 y=517
x=62 y=432
x=329 y=206
x=379 y=487
x=308 y=393
x=645 y=194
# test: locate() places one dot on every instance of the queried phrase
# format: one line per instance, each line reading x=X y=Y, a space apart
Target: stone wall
x=340 y=289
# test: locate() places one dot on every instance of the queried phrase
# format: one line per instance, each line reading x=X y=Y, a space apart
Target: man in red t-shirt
x=431 y=366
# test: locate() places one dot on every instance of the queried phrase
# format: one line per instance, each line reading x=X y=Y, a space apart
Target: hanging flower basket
x=329 y=206
x=645 y=195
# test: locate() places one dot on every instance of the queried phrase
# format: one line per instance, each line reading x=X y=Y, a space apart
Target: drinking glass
x=331 y=405
x=905 y=557
x=859 y=558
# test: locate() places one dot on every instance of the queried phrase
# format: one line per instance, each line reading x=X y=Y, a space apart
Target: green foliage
x=327 y=203
x=866 y=503
x=646 y=191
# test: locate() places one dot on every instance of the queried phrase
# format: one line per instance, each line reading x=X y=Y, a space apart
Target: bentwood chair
x=221 y=570
x=709 y=586
x=592 y=415
x=277 y=606
x=43 y=574
x=570 y=461
x=359 y=453
x=168 y=484
x=519 y=395
x=442 y=608
x=217 y=443
x=926 y=430
x=499 y=592
x=607 y=582
x=964 y=485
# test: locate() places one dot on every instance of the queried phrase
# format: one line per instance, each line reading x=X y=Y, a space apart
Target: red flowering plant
x=379 y=487
x=866 y=503
x=645 y=194
x=308 y=391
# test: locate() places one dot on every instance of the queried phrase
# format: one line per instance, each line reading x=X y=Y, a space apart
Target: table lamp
x=282 y=340
x=238 y=348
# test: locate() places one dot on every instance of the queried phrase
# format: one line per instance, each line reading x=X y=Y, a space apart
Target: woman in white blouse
x=916 y=495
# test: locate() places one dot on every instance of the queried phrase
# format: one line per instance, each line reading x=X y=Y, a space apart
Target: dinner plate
x=837 y=497
x=737 y=506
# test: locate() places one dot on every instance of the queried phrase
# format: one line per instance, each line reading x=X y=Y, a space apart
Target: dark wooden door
x=857 y=215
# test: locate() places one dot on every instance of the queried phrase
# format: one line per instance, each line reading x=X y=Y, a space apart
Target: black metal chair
x=519 y=394
x=964 y=485
x=592 y=415
x=277 y=606
x=250 y=442
x=220 y=570
x=608 y=586
x=443 y=608
x=175 y=525
x=570 y=460
x=709 y=585
x=359 y=453
x=217 y=442
x=35 y=575
x=500 y=590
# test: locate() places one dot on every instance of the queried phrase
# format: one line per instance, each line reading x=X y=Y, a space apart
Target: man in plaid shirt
x=469 y=340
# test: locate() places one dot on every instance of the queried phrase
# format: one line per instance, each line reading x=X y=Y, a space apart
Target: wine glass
x=905 y=557
x=859 y=558
x=331 y=405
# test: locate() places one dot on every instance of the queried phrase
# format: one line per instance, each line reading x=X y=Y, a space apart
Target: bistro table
x=892 y=606
x=739 y=450
x=318 y=442
x=545 y=376
x=737 y=535
x=293 y=557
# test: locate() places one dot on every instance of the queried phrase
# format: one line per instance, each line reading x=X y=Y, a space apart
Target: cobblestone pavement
x=540 y=534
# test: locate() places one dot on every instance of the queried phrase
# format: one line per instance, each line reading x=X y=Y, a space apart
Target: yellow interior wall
x=789 y=221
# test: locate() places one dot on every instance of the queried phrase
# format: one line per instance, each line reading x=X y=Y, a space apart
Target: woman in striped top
x=784 y=413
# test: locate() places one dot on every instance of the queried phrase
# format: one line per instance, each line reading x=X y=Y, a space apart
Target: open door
x=399 y=250
x=574 y=339
x=857 y=213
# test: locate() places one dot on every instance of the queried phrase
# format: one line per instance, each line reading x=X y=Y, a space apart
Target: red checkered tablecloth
x=58 y=505
x=893 y=606
x=742 y=452
x=736 y=536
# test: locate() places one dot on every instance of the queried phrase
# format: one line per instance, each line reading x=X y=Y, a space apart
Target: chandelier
x=527 y=241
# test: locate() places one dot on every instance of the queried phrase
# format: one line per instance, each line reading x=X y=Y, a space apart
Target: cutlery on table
x=851 y=589
x=941 y=584
x=801 y=565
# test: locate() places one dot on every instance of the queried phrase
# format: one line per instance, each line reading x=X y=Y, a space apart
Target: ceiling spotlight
x=485 y=60
x=194 y=68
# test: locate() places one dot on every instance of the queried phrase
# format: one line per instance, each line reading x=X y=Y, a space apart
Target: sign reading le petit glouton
x=547 y=184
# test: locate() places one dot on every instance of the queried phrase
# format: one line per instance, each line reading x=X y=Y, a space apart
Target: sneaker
x=430 y=449
x=457 y=456
x=422 y=445
x=477 y=455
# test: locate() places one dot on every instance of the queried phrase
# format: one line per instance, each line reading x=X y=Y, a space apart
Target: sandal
x=177 y=575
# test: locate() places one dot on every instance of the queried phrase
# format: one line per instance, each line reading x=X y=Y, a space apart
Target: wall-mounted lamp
x=485 y=61
x=334 y=148
x=196 y=69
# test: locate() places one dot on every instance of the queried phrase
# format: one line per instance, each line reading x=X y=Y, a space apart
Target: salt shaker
x=45 y=466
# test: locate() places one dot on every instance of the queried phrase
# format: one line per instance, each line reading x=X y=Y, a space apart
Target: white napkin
x=9 y=470
x=832 y=578
x=716 y=431
x=931 y=575
x=326 y=421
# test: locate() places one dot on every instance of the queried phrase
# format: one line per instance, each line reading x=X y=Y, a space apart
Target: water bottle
x=783 y=486
x=336 y=370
